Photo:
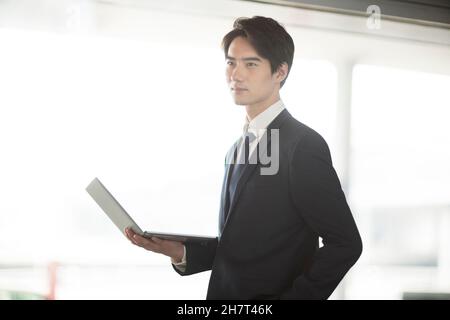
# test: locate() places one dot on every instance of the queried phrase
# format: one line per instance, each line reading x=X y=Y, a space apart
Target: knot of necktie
x=250 y=136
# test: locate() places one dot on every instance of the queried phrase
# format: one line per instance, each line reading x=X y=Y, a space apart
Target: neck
x=254 y=110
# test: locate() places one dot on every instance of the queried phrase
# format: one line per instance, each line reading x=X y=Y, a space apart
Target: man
x=270 y=224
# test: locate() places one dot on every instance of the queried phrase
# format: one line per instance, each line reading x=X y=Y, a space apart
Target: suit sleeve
x=199 y=257
x=317 y=195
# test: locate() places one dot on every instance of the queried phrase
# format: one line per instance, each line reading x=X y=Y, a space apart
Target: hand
x=172 y=249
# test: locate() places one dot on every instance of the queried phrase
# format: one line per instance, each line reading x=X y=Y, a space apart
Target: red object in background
x=52 y=277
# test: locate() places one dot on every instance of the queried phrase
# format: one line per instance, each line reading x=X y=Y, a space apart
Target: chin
x=240 y=102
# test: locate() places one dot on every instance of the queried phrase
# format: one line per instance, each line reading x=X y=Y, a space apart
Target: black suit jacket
x=268 y=245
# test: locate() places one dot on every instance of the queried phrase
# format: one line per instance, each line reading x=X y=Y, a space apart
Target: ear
x=282 y=72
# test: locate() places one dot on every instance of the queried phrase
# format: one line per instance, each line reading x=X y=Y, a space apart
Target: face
x=249 y=76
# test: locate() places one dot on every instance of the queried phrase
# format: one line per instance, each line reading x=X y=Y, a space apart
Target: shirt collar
x=260 y=123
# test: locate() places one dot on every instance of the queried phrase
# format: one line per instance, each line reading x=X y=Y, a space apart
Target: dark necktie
x=238 y=168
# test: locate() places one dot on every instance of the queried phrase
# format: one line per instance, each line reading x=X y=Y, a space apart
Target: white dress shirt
x=182 y=264
x=257 y=126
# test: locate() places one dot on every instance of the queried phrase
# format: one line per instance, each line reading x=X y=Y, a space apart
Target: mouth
x=237 y=90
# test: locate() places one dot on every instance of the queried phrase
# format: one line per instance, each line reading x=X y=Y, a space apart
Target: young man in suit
x=270 y=221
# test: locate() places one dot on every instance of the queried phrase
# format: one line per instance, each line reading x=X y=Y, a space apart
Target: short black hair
x=270 y=40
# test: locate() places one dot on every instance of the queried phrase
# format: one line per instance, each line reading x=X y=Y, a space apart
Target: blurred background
x=115 y=89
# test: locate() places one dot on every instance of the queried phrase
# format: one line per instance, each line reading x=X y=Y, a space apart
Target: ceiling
x=430 y=12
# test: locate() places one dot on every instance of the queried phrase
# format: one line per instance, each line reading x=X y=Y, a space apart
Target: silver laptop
x=122 y=219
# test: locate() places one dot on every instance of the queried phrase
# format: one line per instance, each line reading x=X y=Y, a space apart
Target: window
x=399 y=178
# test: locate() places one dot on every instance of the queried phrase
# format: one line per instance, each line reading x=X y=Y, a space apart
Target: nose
x=237 y=73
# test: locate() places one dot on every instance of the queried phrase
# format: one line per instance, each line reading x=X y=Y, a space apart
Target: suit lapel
x=225 y=185
x=250 y=168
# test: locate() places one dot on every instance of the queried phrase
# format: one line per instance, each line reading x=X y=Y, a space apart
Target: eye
x=251 y=64
x=230 y=63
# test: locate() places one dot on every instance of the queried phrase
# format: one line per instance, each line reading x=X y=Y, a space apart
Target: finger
x=140 y=238
x=129 y=235
x=146 y=243
x=157 y=240
x=131 y=240
x=130 y=231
